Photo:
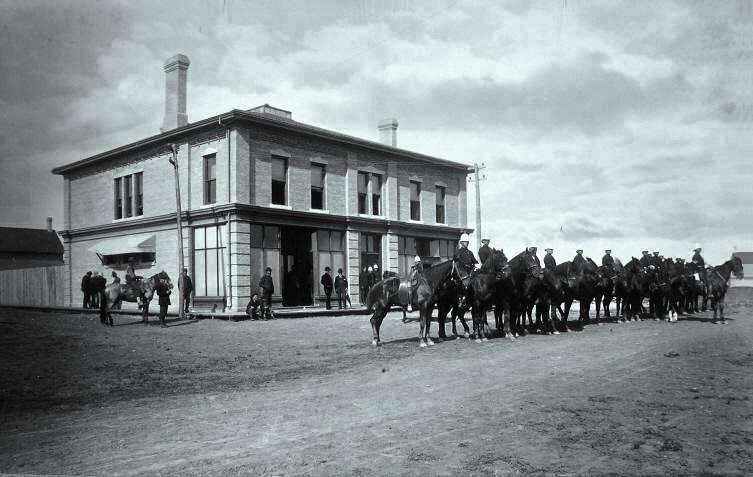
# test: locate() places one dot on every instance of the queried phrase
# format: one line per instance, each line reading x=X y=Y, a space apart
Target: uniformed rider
x=607 y=260
x=485 y=251
x=578 y=261
x=549 y=262
x=465 y=257
x=645 y=260
x=697 y=258
x=531 y=252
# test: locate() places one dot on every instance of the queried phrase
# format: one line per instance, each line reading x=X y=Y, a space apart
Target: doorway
x=298 y=263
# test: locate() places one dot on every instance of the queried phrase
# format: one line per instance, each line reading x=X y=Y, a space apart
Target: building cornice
x=234 y=116
x=274 y=216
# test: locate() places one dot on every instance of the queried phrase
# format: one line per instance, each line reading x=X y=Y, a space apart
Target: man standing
x=97 y=284
x=484 y=252
x=578 y=261
x=163 y=292
x=463 y=256
x=549 y=262
x=326 y=282
x=607 y=260
x=186 y=287
x=341 y=288
x=85 y=287
x=267 y=289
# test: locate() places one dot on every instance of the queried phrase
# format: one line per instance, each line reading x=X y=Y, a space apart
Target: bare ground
x=313 y=397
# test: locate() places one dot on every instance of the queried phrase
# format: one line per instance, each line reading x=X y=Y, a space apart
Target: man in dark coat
x=655 y=260
x=645 y=259
x=267 y=289
x=326 y=282
x=578 y=261
x=85 y=287
x=549 y=262
x=341 y=288
x=163 y=292
x=97 y=285
x=463 y=256
x=484 y=252
x=607 y=260
x=698 y=258
x=186 y=288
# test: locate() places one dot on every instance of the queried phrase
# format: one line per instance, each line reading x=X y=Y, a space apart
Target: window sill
x=372 y=216
x=126 y=219
x=416 y=221
x=279 y=206
x=319 y=211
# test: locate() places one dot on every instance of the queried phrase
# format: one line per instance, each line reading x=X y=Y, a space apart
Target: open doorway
x=298 y=263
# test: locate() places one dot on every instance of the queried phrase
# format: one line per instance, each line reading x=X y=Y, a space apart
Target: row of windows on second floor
x=128 y=193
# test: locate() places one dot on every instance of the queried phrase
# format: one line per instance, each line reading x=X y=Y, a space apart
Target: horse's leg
x=376 y=321
x=721 y=310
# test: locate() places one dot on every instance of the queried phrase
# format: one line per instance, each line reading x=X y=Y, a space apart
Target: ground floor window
x=330 y=248
x=407 y=249
x=371 y=250
x=208 y=261
x=265 y=252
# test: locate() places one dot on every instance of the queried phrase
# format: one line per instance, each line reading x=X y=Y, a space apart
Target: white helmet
x=370 y=269
x=696 y=247
x=464 y=238
x=416 y=259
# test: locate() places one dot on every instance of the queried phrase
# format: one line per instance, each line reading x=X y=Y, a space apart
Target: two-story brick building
x=258 y=190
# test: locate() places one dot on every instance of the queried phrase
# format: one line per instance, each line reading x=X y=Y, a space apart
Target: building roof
x=746 y=257
x=257 y=116
x=23 y=248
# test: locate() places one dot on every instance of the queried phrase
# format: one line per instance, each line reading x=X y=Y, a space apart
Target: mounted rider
x=485 y=251
x=608 y=260
x=645 y=260
x=531 y=254
x=463 y=257
x=578 y=261
x=549 y=262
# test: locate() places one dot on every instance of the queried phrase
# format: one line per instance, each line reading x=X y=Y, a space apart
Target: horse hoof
x=477 y=340
x=430 y=342
x=423 y=345
x=375 y=342
x=484 y=339
x=555 y=332
x=467 y=335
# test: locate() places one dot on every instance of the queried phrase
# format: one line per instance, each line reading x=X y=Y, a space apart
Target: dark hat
x=326 y=269
x=268 y=269
x=608 y=250
x=549 y=250
x=485 y=240
x=339 y=270
x=580 y=250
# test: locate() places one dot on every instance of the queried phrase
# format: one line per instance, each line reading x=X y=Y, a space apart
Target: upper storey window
x=279 y=180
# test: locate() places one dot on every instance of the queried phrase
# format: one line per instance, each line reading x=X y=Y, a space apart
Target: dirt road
x=313 y=397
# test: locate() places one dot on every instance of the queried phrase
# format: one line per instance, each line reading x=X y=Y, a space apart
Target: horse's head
x=502 y=268
x=737 y=267
x=554 y=284
x=590 y=266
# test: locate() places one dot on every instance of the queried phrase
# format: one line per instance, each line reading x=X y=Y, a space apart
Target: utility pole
x=477 y=178
x=174 y=161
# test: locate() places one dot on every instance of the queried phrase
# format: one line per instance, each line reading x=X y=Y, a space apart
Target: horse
x=449 y=299
x=581 y=287
x=143 y=290
x=482 y=288
x=674 y=288
x=423 y=297
x=604 y=291
x=718 y=279
x=634 y=278
x=527 y=276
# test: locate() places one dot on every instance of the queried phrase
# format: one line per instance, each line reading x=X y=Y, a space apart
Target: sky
x=611 y=124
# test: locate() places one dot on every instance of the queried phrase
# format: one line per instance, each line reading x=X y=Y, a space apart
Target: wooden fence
x=41 y=286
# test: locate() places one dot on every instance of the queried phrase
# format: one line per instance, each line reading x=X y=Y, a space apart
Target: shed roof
x=35 y=241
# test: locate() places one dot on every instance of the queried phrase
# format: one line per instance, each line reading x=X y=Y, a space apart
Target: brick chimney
x=176 y=71
x=388 y=131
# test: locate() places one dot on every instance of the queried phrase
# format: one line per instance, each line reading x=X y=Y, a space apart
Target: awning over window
x=125 y=245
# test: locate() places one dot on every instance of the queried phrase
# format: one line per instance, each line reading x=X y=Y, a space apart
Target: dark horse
x=718 y=278
x=482 y=288
x=423 y=296
x=143 y=290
